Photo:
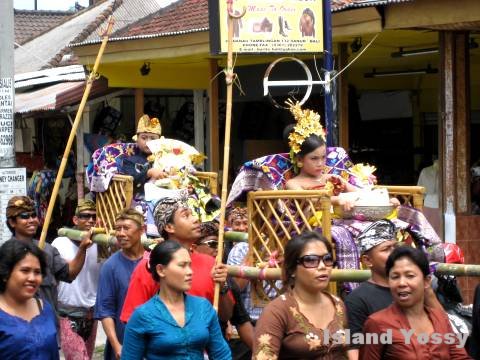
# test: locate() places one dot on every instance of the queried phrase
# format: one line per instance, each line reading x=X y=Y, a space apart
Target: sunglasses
x=27 y=215
x=312 y=261
x=213 y=244
x=87 y=216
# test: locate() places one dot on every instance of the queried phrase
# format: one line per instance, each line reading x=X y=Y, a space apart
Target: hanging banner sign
x=268 y=26
x=7 y=125
x=13 y=181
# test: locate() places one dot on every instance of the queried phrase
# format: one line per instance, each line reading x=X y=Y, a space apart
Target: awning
x=56 y=96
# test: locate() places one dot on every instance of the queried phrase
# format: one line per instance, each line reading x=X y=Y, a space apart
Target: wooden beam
x=213 y=138
x=343 y=113
x=139 y=104
x=446 y=126
x=454 y=126
x=425 y=13
x=462 y=121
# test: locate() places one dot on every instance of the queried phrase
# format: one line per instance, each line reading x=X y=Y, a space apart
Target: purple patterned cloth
x=271 y=172
x=104 y=165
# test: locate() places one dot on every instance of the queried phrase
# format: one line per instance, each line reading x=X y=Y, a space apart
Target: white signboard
x=13 y=181
x=7 y=125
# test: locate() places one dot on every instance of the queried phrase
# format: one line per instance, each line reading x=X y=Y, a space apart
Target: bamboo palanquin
x=119 y=196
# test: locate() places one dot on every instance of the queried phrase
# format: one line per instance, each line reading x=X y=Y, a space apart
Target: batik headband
x=84 y=205
x=19 y=204
x=208 y=228
x=165 y=209
x=237 y=213
x=377 y=233
x=131 y=214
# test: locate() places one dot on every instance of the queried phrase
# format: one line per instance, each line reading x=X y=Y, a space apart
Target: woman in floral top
x=306 y=322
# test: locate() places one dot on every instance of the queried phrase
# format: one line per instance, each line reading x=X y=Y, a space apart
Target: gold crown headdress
x=308 y=123
x=148 y=125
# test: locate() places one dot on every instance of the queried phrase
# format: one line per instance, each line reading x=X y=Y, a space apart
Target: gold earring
x=299 y=164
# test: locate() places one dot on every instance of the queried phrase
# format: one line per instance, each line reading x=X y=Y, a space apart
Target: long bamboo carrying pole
x=229 y=78
x=91 y=78
x=101 y=237
x=350 y=275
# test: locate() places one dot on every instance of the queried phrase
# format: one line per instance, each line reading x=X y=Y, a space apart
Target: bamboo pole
x=91 y=78
x=348 y=275
x=101 y=237
x=229 y=78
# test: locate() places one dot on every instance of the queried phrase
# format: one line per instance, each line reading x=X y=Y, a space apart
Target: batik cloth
x=104 y=164
x=39 y=189
x=74 y=345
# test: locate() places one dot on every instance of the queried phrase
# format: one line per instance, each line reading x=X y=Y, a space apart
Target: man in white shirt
x=76 y=300
x=429 y=178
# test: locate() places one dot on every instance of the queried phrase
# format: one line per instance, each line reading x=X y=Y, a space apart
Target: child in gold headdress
x=308 y=152
x=126 y=158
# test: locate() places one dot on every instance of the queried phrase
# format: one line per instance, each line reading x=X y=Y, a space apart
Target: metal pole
x=330 y=117
x=7 y=88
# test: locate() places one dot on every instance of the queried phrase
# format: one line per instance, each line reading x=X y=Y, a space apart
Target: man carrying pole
x=23 y=223
x=78 y=329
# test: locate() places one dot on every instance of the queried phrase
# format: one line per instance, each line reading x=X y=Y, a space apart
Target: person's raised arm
x=76 y=265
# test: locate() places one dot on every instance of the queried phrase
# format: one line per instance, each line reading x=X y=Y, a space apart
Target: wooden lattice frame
x=273 y=217
x=408 y=195
x=119 y=196
x=210 y=178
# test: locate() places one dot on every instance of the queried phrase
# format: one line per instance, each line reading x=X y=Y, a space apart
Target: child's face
x=314 y=162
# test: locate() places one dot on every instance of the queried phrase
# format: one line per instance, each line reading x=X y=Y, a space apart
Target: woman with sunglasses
x=27 y=324
x=306 y=322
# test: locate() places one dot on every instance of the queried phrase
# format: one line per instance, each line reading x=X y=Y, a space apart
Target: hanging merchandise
x=23 y=136
x=107 y=120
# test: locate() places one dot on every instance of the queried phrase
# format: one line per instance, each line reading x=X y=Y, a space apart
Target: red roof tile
x=31 y=23
x=192 y=15
x=185 y=15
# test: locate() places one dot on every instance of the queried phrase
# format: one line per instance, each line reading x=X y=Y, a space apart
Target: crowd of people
x=157 y=303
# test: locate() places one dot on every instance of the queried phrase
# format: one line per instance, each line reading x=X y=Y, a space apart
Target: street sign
x=13 y=181
x=7 y=125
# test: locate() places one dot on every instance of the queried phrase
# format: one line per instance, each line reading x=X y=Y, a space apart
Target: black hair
x=162 y=254
x=10 y=227
x=416 y=256
x=310 y=144
x=13 y=251
x=309 y=12
x=294 y=248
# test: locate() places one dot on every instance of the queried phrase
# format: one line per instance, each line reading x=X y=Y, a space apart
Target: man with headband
x=115 y=277
x=175 y=221
x=376 y=243
x=76 y=300
x=22 y=220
